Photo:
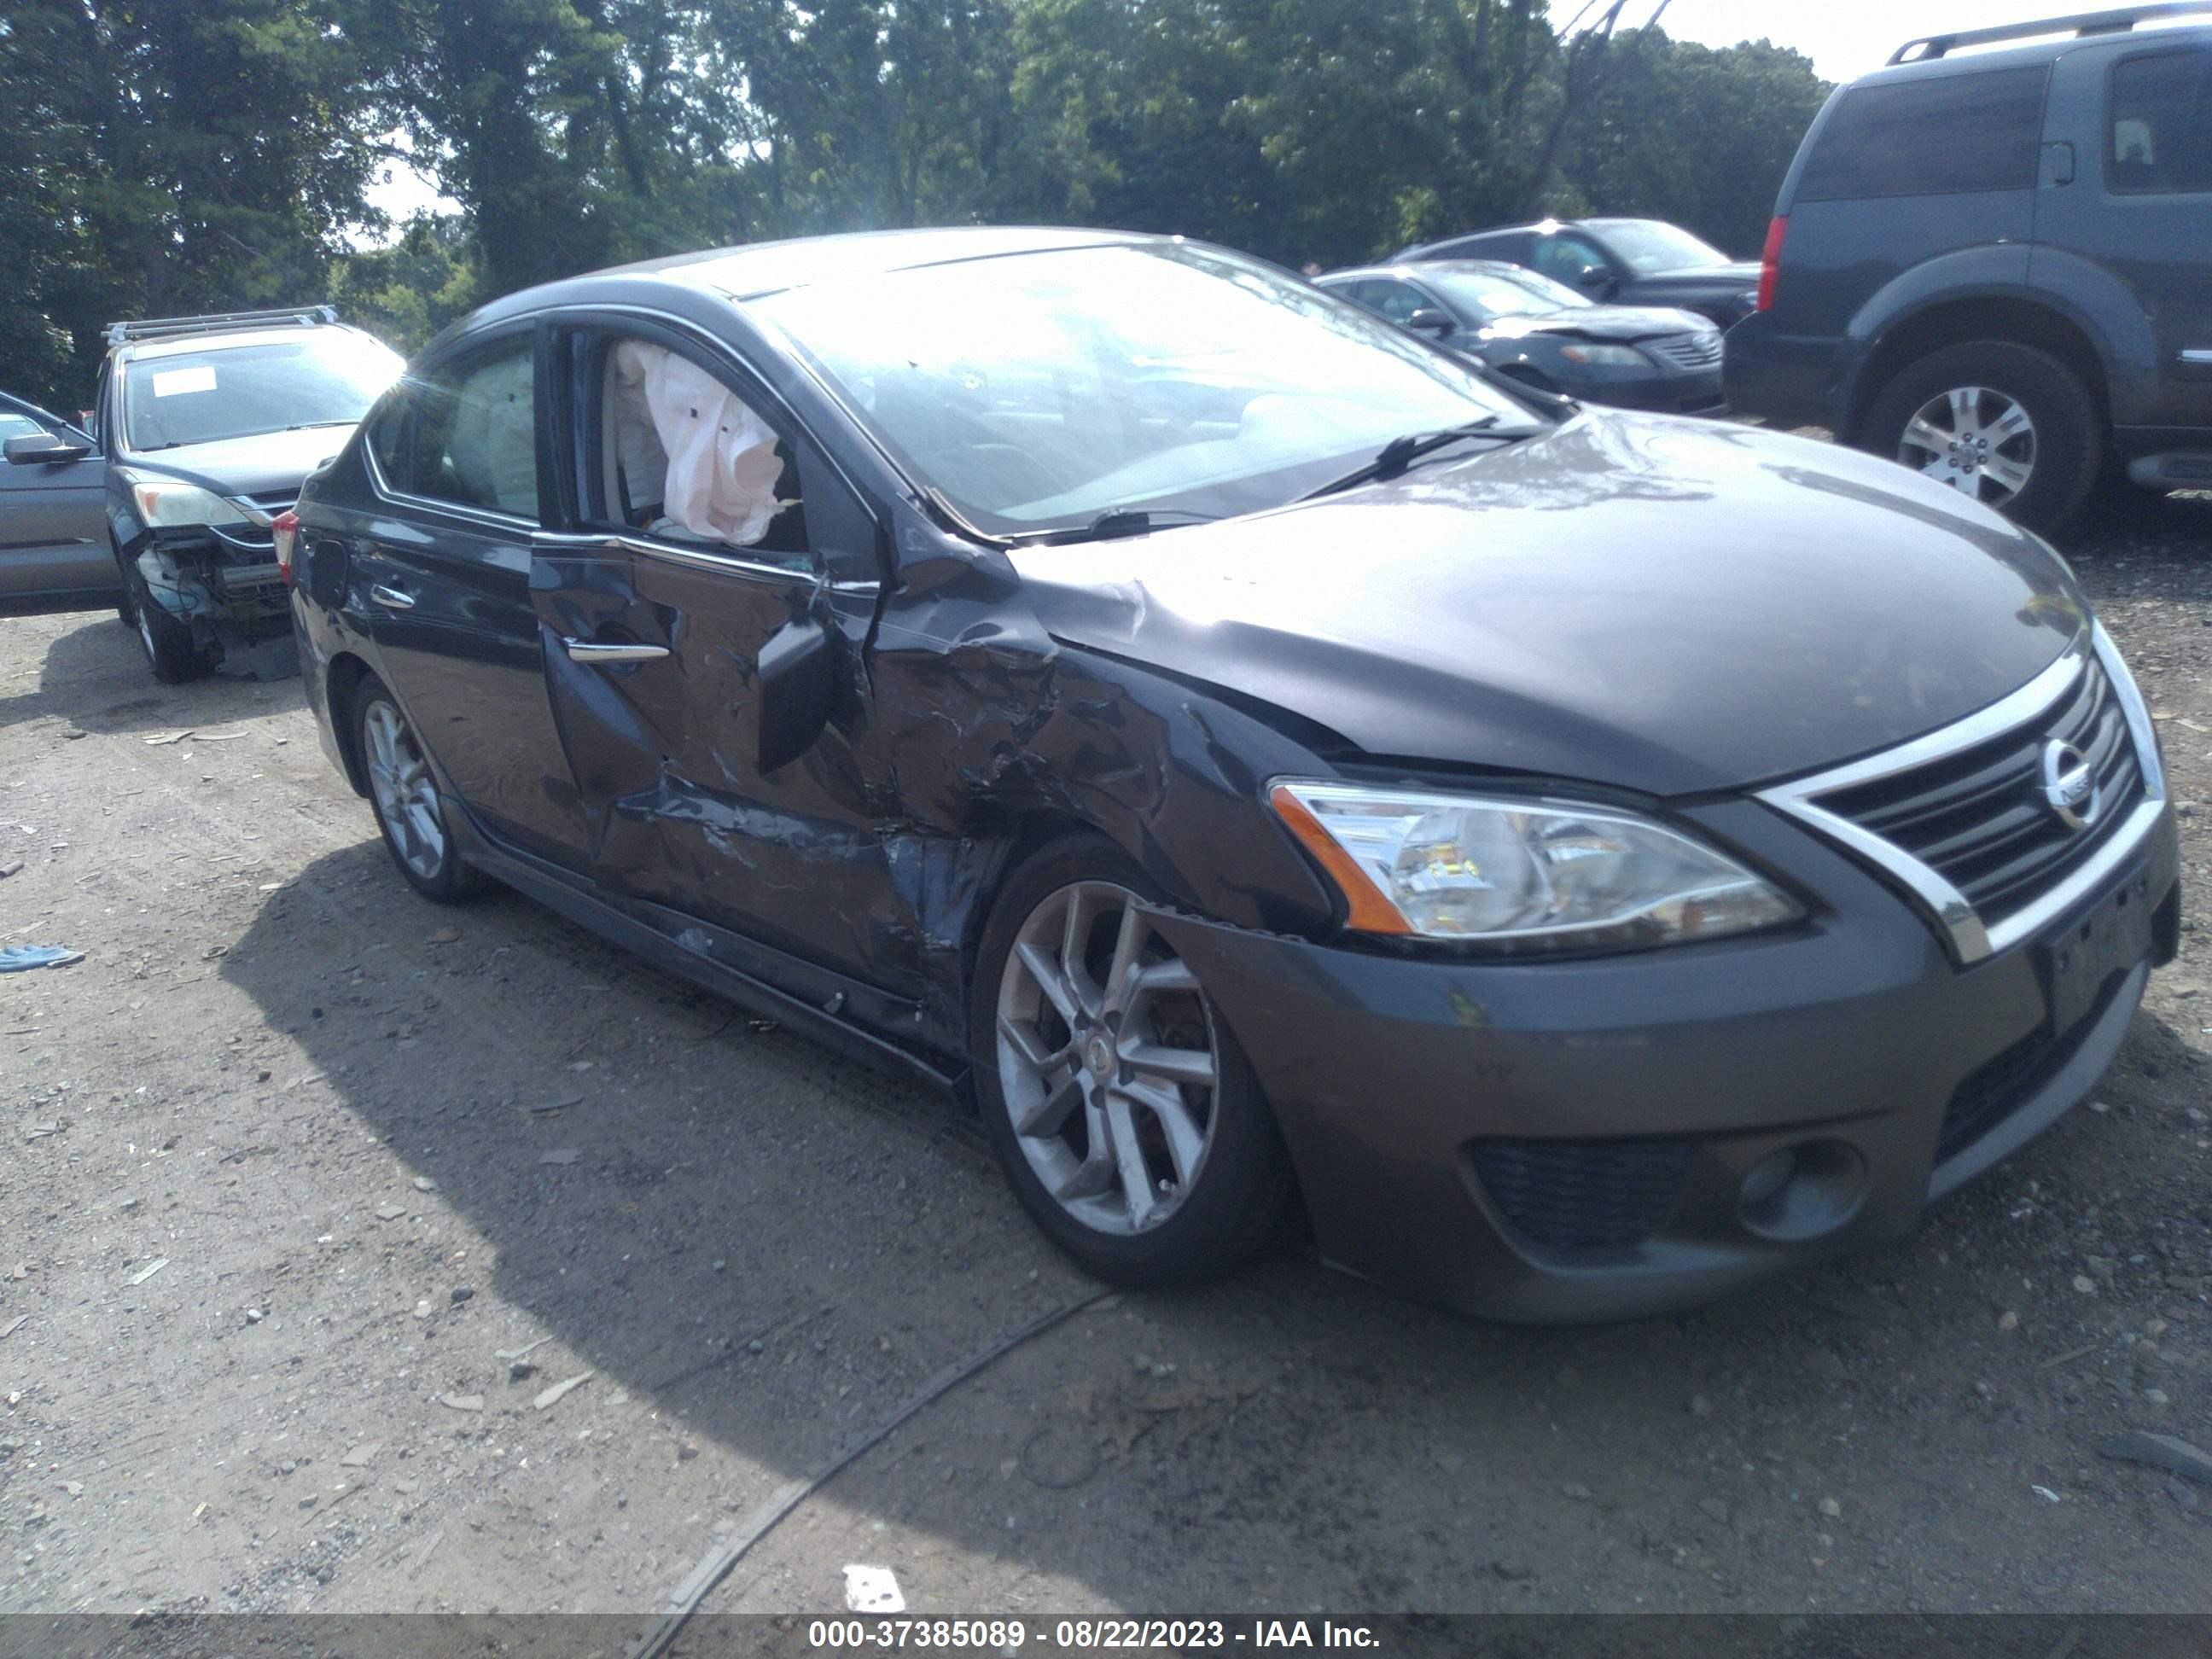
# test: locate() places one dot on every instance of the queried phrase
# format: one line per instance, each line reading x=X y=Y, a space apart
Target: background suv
x=210 y=424
x=1998 y=268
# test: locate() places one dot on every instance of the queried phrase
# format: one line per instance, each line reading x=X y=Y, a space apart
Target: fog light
x=1769 y=1177
x=1803 y=1191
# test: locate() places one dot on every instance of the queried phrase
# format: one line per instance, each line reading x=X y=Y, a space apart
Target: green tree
x=1647 y=143
x=170 y=157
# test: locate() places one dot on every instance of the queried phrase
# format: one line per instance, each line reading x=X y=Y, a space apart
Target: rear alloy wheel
x=1121 y=1109
x=409 y=811
x=2011 y=427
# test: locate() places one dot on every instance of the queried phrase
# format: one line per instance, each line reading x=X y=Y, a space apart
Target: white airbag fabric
x=722 y=467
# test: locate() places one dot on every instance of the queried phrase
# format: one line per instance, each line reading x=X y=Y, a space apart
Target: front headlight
x=1606 y=356
x=168 y=503
x=1521 y=874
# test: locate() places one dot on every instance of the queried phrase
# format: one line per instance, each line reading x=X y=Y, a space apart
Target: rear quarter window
x=385 y=432
x=1943 y=136
x=2157 y=133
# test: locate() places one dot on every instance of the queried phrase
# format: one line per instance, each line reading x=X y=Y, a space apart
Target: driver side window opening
x=683 y=458
x=1567 y=258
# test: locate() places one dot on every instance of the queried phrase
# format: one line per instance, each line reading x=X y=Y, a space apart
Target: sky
x=1844 y=38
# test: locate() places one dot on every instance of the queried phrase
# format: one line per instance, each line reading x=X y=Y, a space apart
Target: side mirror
x=42 y=449
x=798 y=685
x=1597 y=280
x=1430 y=320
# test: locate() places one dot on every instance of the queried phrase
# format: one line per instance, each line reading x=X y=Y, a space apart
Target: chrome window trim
x=600 y=541
x=483 y=516
x=1965 y=934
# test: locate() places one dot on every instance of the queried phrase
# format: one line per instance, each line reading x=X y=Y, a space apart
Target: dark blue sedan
x=1545 y=335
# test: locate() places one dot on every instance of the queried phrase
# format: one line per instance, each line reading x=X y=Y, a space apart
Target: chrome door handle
x=392 y=596
x=586 y=651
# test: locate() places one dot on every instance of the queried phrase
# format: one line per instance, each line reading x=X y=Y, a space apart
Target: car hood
x=1601 y=322
x=1738 y=278
x=1652 y=603
x=269 y=463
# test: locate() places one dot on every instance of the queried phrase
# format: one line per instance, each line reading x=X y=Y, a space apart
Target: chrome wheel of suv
x=1975 y=440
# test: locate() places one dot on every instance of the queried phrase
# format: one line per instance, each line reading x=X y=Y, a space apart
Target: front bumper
x=1567 y=1141
x=1670 y=392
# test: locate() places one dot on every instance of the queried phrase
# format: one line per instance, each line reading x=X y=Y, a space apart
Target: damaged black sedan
x=1570 y=863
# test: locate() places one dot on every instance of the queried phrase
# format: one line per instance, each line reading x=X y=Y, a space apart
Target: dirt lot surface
x=312 y=1192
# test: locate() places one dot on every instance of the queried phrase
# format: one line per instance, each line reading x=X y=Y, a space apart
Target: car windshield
x=322 y=378
x=1504 y=294
x=1039 y=391
x=1648 y=245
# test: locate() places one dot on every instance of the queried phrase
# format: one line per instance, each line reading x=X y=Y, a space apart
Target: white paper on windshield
x=168 y=382
x=722 y=467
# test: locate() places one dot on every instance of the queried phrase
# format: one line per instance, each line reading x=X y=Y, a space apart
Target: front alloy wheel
x=1107 y=1060
x=1121 y=1109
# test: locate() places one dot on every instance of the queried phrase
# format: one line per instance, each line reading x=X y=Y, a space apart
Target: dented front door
x=654 y=658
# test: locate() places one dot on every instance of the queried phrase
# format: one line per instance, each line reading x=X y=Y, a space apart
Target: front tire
x=411 y=814
x=169 y=648
x=2007 y=425
x=1121 y=1109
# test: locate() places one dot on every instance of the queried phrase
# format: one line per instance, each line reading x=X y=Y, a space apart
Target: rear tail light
x=286 y=527
x=1770 y=261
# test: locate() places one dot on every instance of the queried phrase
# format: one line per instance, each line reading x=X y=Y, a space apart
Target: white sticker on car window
x=168 y=382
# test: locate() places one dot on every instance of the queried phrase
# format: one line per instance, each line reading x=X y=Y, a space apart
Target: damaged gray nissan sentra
x=1573 y=864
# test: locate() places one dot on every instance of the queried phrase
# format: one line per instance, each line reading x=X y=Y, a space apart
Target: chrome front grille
x=1963 y=820
x=1688 y=351
x=1978 y=817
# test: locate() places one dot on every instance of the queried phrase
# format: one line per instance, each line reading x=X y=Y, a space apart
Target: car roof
x=184 y=345
x=1414 y=270
x=2105 y=29
x=760 y=269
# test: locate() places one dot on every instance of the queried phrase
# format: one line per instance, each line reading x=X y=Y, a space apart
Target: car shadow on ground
x=95 y=678
x=775 y=1247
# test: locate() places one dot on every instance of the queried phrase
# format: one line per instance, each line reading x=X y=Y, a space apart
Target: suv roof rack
x=218 y=322
x=2118 y=21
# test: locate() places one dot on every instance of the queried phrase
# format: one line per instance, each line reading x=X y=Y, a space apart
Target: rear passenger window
x=2160 y=134
x=1937 y=137
x=476 y=430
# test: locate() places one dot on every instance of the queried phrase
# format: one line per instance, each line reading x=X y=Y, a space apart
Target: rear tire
x=410 y=813
x=2004 y=424
x=1121 y=1109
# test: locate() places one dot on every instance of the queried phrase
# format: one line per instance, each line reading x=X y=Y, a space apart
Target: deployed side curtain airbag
x=722 y=466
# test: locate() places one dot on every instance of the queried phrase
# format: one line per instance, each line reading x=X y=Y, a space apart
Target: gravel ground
x=313 y=1193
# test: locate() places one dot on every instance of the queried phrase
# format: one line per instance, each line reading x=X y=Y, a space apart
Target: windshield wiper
x=309 y=425
x=1399 y=453
x=1120 y=521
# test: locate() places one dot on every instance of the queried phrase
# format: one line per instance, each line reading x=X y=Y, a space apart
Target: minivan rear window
x=1941 y=136
x=2159 y=138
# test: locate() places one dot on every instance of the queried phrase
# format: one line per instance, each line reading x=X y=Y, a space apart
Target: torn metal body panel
x=808 y=771
x=229 y=593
